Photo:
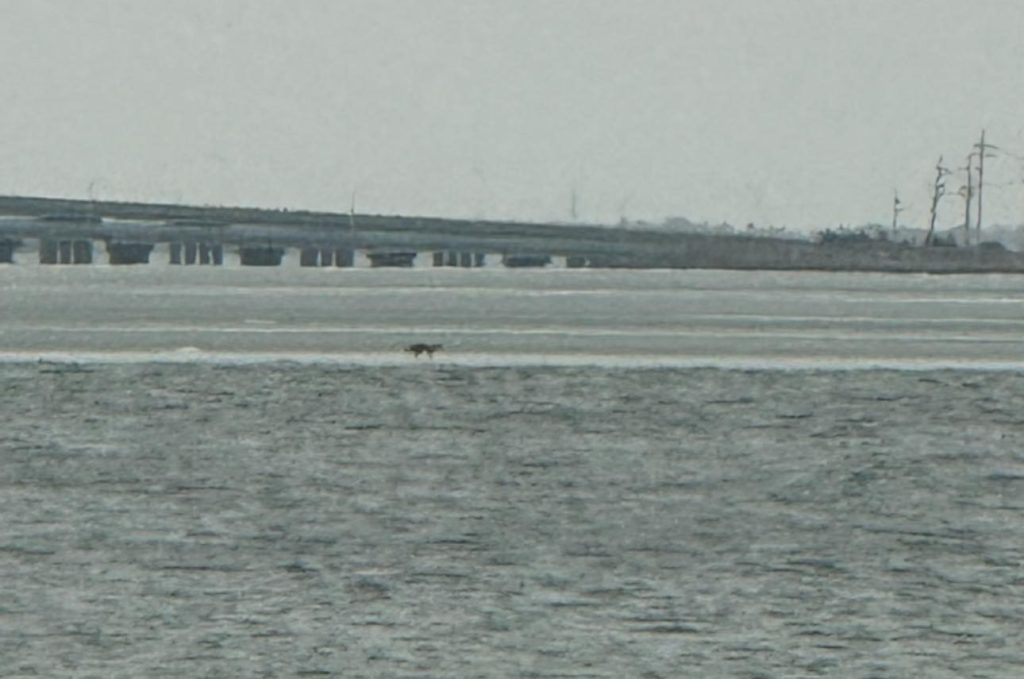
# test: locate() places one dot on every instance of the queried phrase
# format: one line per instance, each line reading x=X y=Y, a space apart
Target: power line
x=982 y=154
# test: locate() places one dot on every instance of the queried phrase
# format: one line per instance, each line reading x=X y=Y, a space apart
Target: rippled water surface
x=192 y=505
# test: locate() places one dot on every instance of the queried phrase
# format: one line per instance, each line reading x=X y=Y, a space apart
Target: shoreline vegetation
x=677 y=243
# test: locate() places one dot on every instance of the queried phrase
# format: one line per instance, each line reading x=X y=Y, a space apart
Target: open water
x=221 y=473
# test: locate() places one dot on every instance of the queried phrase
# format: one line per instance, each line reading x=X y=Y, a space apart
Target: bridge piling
x=48 y=251
x=402 y=259
x=458 y=258
x=524 y=261
x=196 y=252
x=260 y=255
x=320 y=257
x=81 y=252
x=344 y=257
x=129 y=253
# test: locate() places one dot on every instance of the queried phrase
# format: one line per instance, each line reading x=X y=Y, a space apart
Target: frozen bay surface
x=505 y=317
x=269 y=491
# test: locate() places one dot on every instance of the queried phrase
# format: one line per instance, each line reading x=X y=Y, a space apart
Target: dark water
x=278 y=520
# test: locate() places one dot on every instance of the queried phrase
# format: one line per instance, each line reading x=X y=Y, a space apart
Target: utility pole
x=572 y=205
x=622 y=210
x=938 y=190
x=982 y=148
x=352 y=214
x=896 y=210
x=968 y=194
x=92 y=197
x=349 y=257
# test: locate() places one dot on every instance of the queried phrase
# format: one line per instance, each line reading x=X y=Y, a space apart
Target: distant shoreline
x=584 y=246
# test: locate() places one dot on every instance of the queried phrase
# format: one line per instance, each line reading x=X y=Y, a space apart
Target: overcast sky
x=805 y=113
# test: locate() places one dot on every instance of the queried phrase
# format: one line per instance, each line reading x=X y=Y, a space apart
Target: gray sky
x=806 y=113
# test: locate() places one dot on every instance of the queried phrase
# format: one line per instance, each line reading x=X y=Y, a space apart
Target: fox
x=420 y=348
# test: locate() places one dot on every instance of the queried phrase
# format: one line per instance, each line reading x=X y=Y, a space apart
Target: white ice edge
x=257 y=327
x=485 y=360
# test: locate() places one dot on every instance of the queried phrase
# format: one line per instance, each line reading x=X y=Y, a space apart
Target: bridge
x=63 y=231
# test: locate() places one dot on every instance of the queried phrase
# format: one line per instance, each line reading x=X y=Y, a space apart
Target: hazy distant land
x=675 y=244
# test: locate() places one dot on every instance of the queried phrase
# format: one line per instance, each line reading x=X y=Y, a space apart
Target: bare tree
x=938 y=191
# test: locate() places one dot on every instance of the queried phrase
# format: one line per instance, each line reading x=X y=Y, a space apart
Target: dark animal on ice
x=427 y=349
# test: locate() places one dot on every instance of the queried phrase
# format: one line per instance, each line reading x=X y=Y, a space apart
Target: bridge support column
x=260 y=255
x=317 y=257
x=344 y=257
x=458 y=258
x=7 y=251
x=81 y=252
x=522 y=261
x=48 y=250
x=129 y=253
x=197 y=252
x=401 y=259
x=309 y=257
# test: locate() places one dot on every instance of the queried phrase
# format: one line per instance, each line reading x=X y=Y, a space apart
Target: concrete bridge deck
x=60 y=231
